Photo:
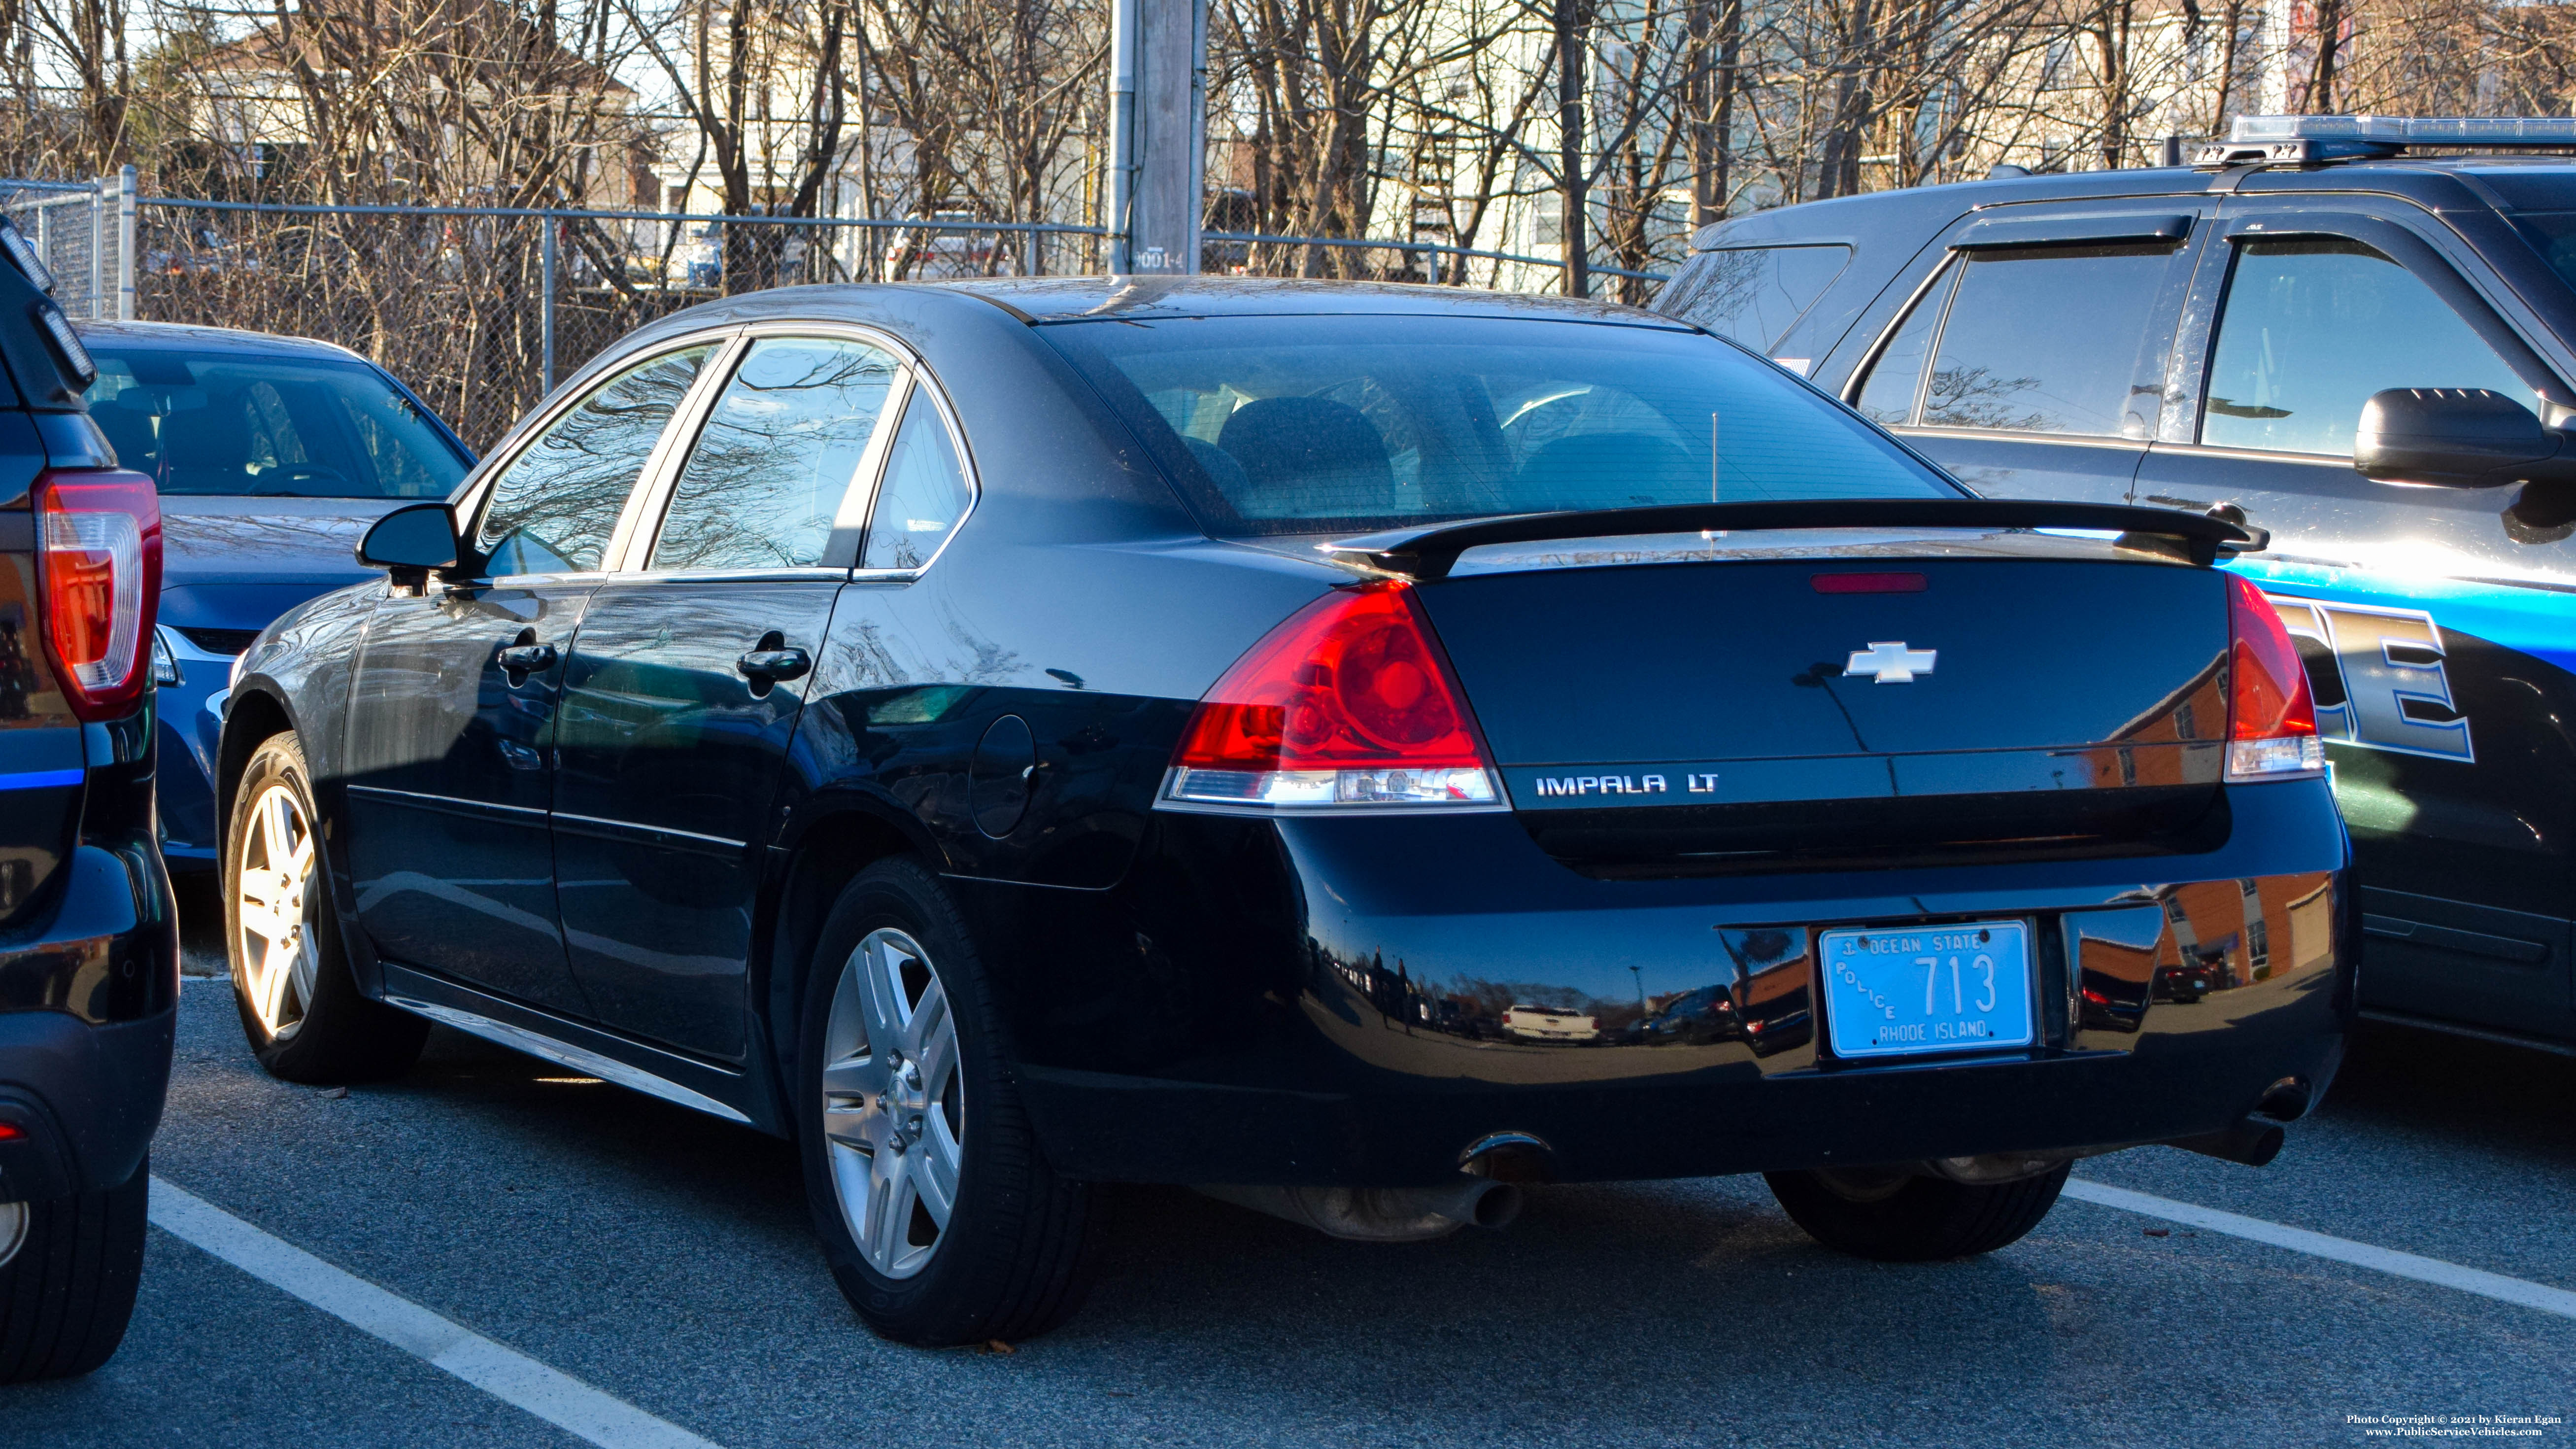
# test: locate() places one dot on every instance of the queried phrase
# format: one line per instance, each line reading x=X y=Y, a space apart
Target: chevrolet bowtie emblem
x=1891 y=663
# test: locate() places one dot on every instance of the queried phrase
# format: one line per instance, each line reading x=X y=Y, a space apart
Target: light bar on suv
x=2303 y=140
x=2409 y=130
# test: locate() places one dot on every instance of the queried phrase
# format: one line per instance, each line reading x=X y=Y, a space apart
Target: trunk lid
x=1700 y=708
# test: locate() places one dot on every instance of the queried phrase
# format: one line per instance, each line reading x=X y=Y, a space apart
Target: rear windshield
x=202 y=423
x=1352 y=424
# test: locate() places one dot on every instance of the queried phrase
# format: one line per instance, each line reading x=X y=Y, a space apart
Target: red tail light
x=2271 y=719
x=98 y=554
x=1349 y=703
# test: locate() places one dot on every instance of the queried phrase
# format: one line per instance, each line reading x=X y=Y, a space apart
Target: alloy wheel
x=273 y=908
x=894 y=1103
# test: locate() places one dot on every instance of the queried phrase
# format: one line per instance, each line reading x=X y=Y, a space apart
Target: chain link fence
x=84 y=231
x=1432 y=263
x=481 y=309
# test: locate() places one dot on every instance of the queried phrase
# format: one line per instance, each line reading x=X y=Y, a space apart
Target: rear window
x=212 y=423
x=1754 y=294
x=1278 y=425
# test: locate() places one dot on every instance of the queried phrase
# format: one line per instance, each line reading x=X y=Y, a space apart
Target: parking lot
x=662 y=1258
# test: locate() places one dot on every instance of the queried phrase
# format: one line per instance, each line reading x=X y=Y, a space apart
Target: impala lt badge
x=1891 y=662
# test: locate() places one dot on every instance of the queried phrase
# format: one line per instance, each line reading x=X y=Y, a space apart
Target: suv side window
x=2312 y=327
x=2036 y=340
x=777 y=456
x=554 y=507
x=1754 y=295
x=1889 y=394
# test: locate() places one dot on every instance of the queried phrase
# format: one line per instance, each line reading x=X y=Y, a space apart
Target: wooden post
x=1163 y=215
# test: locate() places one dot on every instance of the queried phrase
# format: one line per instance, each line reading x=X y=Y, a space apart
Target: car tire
x=1908 y=1219
x=67 y=1291
x=301 y=1009
x=884 y=1136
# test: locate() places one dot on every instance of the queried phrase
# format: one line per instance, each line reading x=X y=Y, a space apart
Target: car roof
x=2440 y=182
x=1071 y=299
x=922 y=311
x=183 y=337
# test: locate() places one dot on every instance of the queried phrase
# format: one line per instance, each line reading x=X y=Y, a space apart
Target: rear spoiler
x=1429 y=553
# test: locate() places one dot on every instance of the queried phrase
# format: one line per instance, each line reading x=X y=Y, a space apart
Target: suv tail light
x=1350 y=704
x=2271 y=719
x=98 y=555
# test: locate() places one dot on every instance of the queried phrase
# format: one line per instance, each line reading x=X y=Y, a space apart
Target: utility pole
x=1573 y=23
x=1157 y=134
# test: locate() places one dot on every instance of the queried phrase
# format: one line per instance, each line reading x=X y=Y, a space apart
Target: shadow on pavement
x=2467 y=1091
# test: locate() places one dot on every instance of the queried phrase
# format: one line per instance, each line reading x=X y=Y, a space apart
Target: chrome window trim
x=927 y=383
x=860 y=499
x=912 y=376
x=1850 y=394
x=824 y=573
x=661 y=467
x=2027 y=435
x=467 y=507
x=529 y=581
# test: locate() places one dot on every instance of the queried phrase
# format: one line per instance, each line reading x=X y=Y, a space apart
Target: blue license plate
x=1914 y=989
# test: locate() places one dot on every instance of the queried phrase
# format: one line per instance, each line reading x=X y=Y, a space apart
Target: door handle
x=773 y=665
x=528 y=658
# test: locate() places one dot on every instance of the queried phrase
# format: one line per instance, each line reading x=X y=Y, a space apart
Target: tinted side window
x=924 y=494
x=2312 y=327
x=2046 y=341
x=1755 y=294
x=554 y=507
x=777 y=456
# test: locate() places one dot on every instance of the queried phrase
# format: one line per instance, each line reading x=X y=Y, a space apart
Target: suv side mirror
x=2456 y=437
x=416 y=538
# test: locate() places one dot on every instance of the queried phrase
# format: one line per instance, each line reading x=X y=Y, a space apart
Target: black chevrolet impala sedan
x=1355 y=750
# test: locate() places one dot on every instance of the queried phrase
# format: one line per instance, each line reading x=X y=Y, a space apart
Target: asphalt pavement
x=663 y=1258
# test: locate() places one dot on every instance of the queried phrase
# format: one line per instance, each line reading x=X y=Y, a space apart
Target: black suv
x=89 y=946
x=2311 y=326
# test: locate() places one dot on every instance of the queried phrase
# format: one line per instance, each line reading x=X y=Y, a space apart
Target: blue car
x=271 y=455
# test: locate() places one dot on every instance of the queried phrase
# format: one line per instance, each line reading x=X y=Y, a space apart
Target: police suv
x=2360 y=331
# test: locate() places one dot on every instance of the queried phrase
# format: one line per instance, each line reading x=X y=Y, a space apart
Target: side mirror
x=2455 y=437
x=416 y=538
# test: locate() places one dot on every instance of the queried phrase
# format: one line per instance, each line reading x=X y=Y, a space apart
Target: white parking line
x=2342 y=1250
x=506 y=1374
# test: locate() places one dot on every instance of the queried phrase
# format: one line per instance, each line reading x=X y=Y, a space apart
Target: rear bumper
x=88 y=1011
x=84 y=1097
x=1298 y=1002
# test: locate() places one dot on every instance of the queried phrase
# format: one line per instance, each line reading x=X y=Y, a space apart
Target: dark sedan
x=1281 y=738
